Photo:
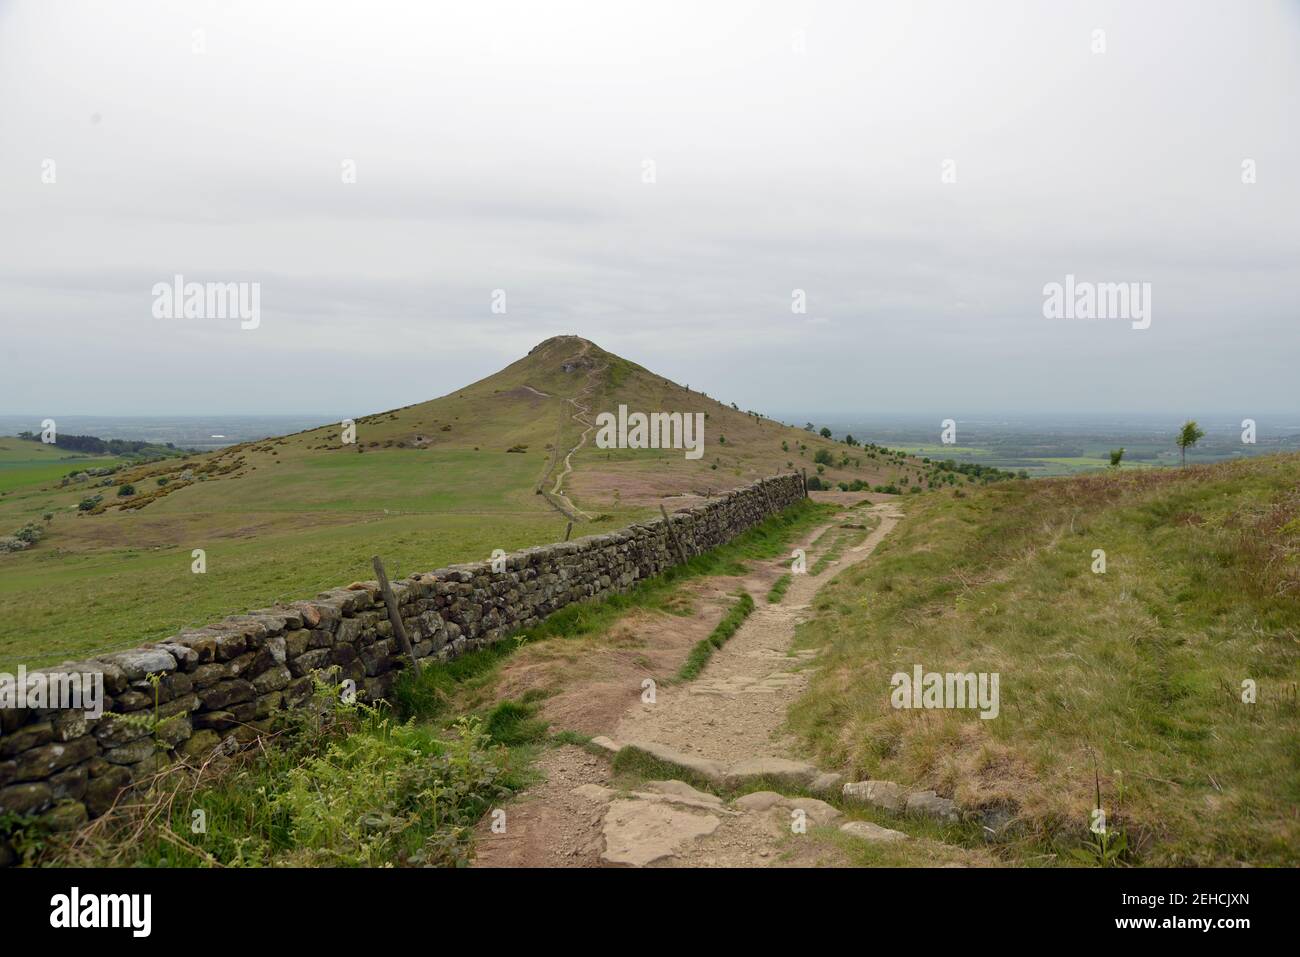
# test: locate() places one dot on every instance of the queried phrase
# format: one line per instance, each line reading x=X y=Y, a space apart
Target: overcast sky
x=795 y=146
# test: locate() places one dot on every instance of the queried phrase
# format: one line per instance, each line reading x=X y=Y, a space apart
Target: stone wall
x=221 y=686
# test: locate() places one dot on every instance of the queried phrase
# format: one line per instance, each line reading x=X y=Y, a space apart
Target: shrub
x=127 y=489
x=31 y=534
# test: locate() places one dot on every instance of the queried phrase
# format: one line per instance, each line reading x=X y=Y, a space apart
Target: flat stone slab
x=679 y=792
x=607 y=744
x=881 y=794
x=778 y=769
x=709 y=770
x=780 y=809
x=759 y=801
x=871 y=832
x=638 y=833
x=819 y=812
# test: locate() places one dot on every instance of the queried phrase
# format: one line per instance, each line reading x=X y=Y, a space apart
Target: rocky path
x=725 y=728
x=733 y=712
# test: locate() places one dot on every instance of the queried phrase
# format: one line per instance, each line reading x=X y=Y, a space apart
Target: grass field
x=1132 y=678
x=24 y=463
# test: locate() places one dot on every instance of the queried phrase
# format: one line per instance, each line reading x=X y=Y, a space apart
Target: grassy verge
x=779 y=588
x=1129 y=681
x=347 y=786
x=703 y=650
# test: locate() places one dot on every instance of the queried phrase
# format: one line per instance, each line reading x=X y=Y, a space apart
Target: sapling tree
x=1190 y=434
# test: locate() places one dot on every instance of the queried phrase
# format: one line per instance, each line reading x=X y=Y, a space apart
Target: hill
x=486 y=466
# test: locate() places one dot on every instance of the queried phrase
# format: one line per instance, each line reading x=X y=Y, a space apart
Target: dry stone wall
x=220 y=687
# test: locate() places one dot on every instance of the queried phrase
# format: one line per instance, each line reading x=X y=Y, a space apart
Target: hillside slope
x=1129 y=679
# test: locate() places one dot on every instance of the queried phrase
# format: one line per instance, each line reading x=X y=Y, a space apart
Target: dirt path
x=556 y=495
x=732 y=713
x=735 y=709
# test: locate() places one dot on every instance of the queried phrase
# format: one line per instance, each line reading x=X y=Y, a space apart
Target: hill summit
x=545 y=405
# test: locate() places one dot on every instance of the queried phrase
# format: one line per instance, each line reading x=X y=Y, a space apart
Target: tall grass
x=1140 y=668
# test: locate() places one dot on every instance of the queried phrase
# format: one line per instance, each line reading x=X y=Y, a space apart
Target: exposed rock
x=709 y=770
x=638 y=833
x=881 y=794
x=606 y=744
x=818 y=812
x=759 y=801
x=798 y=773
x=679 y=792
x=871 y=832
x=929 y=804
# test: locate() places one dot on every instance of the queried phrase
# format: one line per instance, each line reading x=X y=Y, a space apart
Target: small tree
x=1115 y=456
x=826 y=433
x=1191 y=434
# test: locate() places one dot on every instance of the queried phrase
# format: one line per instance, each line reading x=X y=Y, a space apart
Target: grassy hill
x=442 y=481
x=1130 y=680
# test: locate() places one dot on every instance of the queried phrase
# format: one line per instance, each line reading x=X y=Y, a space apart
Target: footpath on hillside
x=722 y=731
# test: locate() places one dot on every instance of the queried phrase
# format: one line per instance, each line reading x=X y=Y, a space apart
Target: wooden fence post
x=672 y=534
x=805 y=483
x=567 y=531
x=394 y=616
